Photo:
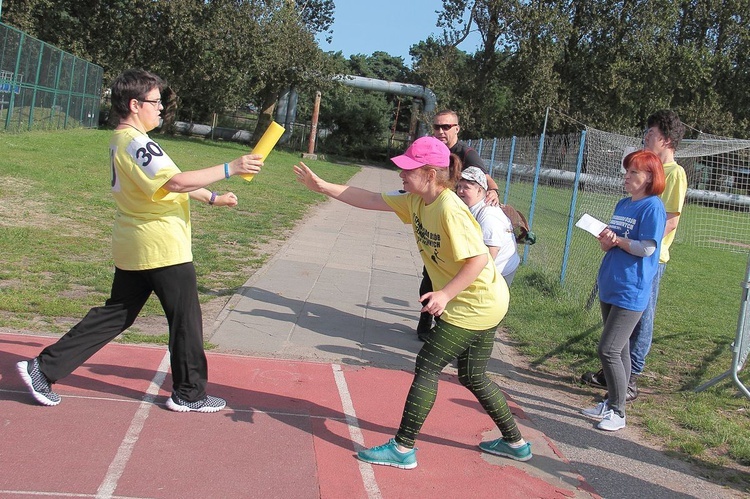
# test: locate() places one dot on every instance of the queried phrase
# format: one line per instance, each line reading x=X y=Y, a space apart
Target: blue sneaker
x=500 y=447
x=388 y=455
x=611 y=421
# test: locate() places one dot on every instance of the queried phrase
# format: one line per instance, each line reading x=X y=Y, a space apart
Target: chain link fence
x=43 y=87
x=555 y=179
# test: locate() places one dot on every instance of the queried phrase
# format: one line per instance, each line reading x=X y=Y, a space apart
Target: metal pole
x=492 y=156
x=572 y=209
x=510 y=169
x=536 y=183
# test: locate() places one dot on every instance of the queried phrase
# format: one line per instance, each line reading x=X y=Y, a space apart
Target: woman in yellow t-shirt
x=151 y=249
x=469 y=300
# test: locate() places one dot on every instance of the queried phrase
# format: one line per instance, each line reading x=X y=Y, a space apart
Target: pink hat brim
x=406 y=163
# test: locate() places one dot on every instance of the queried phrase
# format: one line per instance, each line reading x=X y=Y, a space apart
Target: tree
x=114 y=34
x=317 y=15
x=443 y=68
x=605 y=62
x=288 y=57
x=359 y=121
x=204 y=52
x=215 y=53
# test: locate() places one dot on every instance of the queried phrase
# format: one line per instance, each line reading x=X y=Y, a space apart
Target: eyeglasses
x=156 y=103
x=444 y=127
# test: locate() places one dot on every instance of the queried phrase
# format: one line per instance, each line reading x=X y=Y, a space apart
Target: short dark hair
x=669 y=125
x=132 y=84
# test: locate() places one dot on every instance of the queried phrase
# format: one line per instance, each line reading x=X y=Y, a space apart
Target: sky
x=391 y=26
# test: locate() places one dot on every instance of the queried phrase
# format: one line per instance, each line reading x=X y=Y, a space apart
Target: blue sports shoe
x=500 y=447
x=388 y=455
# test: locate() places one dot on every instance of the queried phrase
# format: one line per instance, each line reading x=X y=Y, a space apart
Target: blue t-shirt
x=624 y=279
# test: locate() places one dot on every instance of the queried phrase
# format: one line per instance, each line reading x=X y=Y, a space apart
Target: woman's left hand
x=226 y=199
x=607 y=239
x=436 y=302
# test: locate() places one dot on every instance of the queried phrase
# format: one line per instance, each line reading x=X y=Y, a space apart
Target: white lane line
x=365 y=469
x=117 y=466
x=35 y=493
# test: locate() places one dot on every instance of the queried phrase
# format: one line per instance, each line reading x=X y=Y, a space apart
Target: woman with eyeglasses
x=471 y=297
x=152 y=251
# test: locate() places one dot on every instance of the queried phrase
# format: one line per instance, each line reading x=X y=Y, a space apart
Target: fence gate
x=741 y=344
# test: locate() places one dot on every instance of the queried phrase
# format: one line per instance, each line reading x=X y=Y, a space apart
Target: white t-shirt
x=498 y=231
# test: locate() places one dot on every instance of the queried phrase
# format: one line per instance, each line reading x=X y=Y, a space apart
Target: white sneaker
x=597 y=412
x=611 y=421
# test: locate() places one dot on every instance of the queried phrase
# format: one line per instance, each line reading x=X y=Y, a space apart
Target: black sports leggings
x=473 y=349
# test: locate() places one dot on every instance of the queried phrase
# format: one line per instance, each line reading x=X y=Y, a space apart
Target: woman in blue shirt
x=631 y=242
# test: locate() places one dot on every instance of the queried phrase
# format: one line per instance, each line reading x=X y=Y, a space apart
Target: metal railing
x=741 y=344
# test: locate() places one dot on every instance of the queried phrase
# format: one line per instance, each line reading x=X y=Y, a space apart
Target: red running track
x=290 y=430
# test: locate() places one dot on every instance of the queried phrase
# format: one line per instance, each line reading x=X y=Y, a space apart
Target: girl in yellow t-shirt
x=469 y=300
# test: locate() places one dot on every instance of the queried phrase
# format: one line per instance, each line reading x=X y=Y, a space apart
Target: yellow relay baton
x=264 y=146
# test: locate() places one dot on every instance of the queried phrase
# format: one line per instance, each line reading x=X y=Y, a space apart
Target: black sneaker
x=596 y=379
x=207 y=404
x=632 y=389
x=40 y=387
x=630 y=395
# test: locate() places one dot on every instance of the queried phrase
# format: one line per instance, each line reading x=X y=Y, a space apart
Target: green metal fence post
x=12 y=99
x=36 y=86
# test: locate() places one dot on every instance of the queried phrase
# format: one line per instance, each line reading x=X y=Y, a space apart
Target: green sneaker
x=388 y=455
x=501 y=448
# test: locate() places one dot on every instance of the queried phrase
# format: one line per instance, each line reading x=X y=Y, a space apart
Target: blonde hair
x=448 y=177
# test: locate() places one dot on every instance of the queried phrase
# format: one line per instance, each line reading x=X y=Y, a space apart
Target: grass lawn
x=56 y=216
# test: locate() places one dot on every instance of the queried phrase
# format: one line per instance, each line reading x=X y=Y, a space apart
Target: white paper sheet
x=591 y=225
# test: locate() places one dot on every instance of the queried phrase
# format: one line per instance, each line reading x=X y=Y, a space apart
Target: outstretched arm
x=354 y=196
x=192 y=180
x=213 y=198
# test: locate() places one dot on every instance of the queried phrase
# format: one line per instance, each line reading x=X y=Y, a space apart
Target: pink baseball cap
x=424 y=151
